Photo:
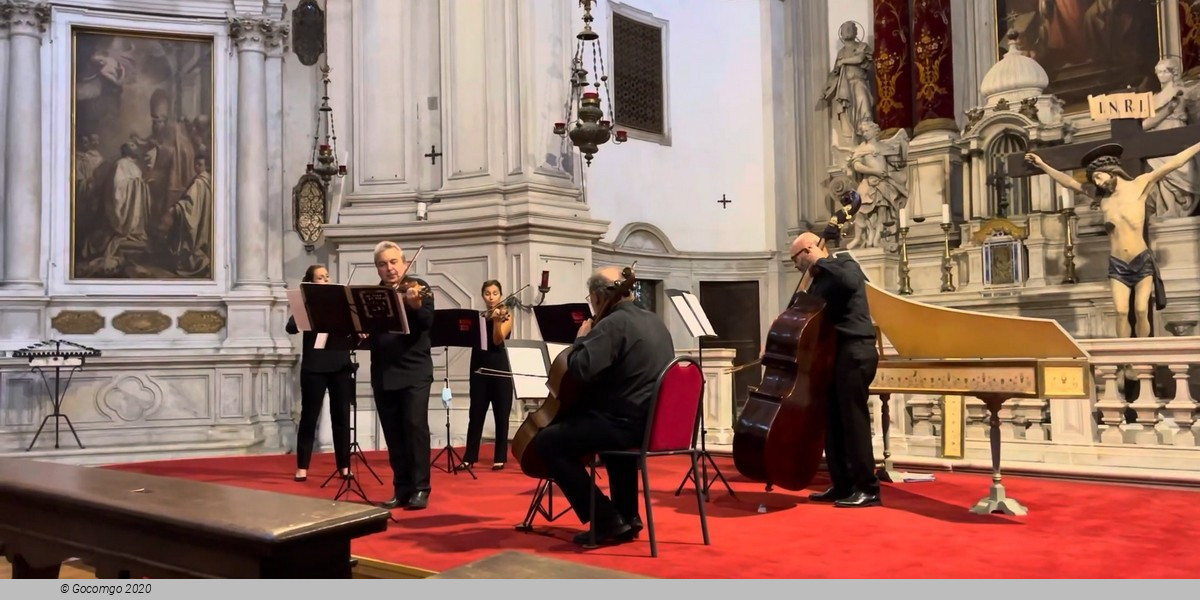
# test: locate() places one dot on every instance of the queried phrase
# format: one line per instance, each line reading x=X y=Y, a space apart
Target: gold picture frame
x=143 y=160
x=1085 y=46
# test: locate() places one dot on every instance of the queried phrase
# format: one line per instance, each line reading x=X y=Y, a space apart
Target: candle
x=945 y=213
x=545 y=279
x=1065 y=197
x=903 y=218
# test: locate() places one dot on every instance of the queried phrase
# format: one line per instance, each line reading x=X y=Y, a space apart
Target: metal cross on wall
x=724 y=202
x=432 y=155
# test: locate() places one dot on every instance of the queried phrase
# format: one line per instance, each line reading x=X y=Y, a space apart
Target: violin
x=498 y=313
x=426 y=293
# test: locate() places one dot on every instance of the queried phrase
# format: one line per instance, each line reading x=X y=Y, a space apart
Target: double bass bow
x=564 y=390
x=780 y=434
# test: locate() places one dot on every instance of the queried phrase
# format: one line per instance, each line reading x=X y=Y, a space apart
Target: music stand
x=560 y=322
x=339 y=314
x=460 y=328
x=689 y=309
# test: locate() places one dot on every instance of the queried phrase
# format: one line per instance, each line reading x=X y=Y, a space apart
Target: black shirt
x=401 y=361
x=494 y=357
x=619 y=361
x=318 y=361
x=840 y=282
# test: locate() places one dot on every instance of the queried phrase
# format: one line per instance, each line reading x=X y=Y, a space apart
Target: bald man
x=848 y=452
x=618 y=362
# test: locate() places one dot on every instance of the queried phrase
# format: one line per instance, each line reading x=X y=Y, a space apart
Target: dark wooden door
x=732 y=308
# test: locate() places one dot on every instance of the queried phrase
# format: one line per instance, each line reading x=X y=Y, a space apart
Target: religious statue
x=847 y=89
x=1131 y=267
x=883 y=184
x=1175 y=195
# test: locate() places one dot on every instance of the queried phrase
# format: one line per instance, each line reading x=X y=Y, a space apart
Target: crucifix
x=723 y=202
x=433 y=154
x=1001 y=182
x=1139 y=145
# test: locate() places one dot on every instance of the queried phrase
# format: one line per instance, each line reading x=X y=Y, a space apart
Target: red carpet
x=1073 y=530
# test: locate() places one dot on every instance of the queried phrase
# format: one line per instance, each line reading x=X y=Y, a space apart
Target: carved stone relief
x=77 y=322
x=130 y=398
x=141 y=322
x=201 y=321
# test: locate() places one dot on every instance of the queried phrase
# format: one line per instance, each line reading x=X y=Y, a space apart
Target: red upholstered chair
x=671 y=429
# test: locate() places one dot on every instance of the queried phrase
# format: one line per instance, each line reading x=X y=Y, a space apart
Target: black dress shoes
x=613 y=532
x=418 y=501
x=395 y=502
x=859 y=500
x=831 y=495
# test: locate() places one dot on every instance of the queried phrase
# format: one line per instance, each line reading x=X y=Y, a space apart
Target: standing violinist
x=487 y=390
x=617 y=362
x=840 y=282
x=401 y=375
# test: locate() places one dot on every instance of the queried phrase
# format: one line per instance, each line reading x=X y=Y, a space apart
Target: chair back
x=675 y=412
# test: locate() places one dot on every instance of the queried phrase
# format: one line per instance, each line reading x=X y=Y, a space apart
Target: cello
x=779 y=436
x=565 y=390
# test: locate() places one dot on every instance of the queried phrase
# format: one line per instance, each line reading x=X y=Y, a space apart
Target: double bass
x=780 y=434
x=565 y=390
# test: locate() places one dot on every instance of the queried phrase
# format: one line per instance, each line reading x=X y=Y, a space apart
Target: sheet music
x=484 y=342
x=295 y=300
x=689 y=318
x=528 y=361
x=319 y=343
x=555 y=349
x=694 y=303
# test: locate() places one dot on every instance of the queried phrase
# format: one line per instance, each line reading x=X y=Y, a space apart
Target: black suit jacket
x=319 y=361
x=401 y=361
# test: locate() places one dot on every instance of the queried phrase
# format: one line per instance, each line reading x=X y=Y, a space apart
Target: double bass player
x=840 y=282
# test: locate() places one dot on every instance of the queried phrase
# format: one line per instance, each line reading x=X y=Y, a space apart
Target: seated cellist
x=840 y=282
x=618 y=364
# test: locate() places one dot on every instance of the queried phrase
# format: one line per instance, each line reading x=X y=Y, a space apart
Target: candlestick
x=947 y=266
x=903 y=218
x=905 y=284
x=545 y=280
x=945 y=213
x=1065 y=199
x=1069 y=252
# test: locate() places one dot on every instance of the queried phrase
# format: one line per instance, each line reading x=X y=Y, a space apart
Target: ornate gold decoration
x=1029 y=108
x=79 y=322
x=201 y=321
x=887 y=73
x=138 y=322
x=993 y=226
x=1002 y=105
x=973 y=117
x=930 y=53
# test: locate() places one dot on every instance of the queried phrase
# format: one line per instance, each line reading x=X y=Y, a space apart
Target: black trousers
x=313 y=386
x=848 y=451
x=404 y=418
x=565 y=445
x=486 y=391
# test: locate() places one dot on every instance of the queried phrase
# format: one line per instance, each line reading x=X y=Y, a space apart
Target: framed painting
x=142 y=161
x=1085 y=46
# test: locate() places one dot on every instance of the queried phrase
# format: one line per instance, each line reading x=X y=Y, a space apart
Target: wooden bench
x=134 y=525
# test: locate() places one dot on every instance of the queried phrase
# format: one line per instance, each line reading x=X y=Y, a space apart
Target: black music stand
x=343 y=313
x=50 y=354
x=688 y=307
x=460 y=328
x=351 y=484
x=560 y=322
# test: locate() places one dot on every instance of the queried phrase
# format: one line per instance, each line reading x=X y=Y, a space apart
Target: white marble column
x=23 y=145
x=277 y=195
x=249 y=34
x=3 y=130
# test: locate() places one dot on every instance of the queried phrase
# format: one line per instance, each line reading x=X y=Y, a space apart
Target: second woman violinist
x=487 y=390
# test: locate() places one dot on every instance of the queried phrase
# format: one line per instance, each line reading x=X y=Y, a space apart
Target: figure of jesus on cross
x=1122 y=199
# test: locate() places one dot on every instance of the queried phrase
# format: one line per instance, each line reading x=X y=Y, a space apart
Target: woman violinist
x=487 y=390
